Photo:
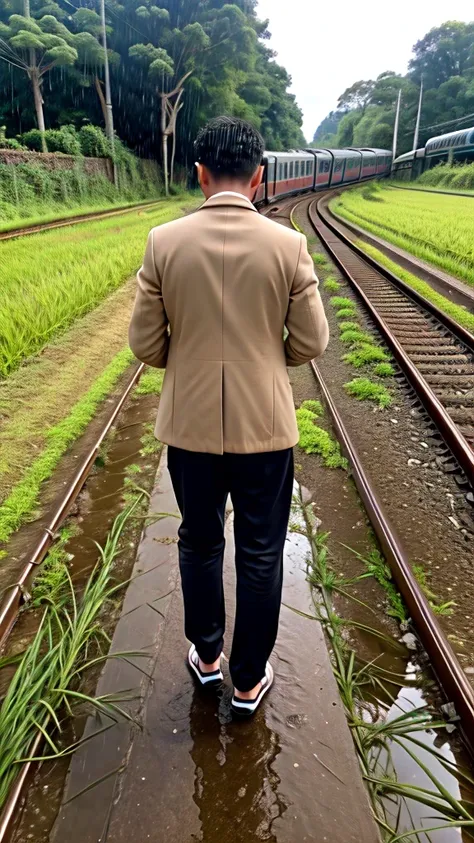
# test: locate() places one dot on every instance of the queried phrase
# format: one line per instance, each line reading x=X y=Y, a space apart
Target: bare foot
x=209 y=668
x=248 y=695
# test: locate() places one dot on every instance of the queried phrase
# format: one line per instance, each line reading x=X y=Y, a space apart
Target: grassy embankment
x=456 y=177
x=68 y=294
x=437 y=229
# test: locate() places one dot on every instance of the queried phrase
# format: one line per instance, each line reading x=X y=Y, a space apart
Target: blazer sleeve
x=148 y=332
x=306 y=323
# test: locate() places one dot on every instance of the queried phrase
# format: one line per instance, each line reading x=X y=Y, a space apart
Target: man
x=215 y=292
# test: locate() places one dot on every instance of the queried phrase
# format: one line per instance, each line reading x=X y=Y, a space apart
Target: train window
x=309 y=168
x=292 y=166
x=297 y=169
x=271 y=173
x=280 y=172
x=327 y=166
x=286 y=170
x=338 y=166
x=321 y=166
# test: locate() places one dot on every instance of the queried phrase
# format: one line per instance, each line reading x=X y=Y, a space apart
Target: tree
x=36 y=47
x=357 y=96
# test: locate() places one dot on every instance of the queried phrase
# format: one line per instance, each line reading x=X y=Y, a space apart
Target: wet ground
x=190 y=773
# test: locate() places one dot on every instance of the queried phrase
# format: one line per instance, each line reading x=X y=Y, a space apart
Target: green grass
x=47 y=683
x=366 y=390
x=23 y=499
x=331 y=285
x=341 y=302
x=378 y=568
x=349 y=326
x=314 y=406
x=457 y=312
x=384 y=370
x=354 y=336
x=346 y=313
x=150 y=382
x=364 y=355
x=49 y=280
x=449 y=177
x=438 y=229
x=315 y=440
x=320 y=260
x=438 y=607
x=62 y=212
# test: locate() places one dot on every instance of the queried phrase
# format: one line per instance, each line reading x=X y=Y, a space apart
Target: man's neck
x=231 y=187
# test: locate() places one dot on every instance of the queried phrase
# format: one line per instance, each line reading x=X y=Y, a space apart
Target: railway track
x=435 y=353
x=437 y=358
x=22 y=231
x=428 y=342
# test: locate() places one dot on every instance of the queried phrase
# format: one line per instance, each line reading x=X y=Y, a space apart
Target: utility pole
x=109 y=117
x=395 y=128
x=418 y=117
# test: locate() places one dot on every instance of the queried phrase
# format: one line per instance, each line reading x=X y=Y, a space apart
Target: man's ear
x=202 y=174
x=257 y=178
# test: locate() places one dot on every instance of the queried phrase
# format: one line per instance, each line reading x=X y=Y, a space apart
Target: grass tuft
x=150 y=382
x=366 y=390
x=349 y=326
x=341 y=301
x=364 y=355
x=315 y=440
x=314 y=406
x=346 y=313
x=319 y=259
x=384 y=370
x=47 y=682
x=331 y=285
x=439 y=608
x=353 y=336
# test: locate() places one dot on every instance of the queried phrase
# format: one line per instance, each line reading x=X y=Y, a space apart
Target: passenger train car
x=454 y=146
x=312 y=169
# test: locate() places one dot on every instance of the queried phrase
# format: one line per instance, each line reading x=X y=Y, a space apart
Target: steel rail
x=10 y=606
x=23 y=231
x=336 y=226
x=446 y=426
x=443 y=660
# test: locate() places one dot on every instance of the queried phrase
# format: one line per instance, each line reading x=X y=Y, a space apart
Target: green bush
x=63 y=140
x=8 y=143
x=32 y=140
x=93 y=141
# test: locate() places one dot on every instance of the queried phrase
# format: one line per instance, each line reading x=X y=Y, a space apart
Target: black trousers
x=261 y=488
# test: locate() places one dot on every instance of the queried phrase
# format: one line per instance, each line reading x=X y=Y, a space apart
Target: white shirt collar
x=231 y=193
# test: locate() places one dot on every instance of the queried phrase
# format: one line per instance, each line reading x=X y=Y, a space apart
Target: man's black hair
x=229 y=147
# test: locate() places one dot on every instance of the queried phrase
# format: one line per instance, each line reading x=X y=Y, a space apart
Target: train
x=454 y=147
x=312 y=169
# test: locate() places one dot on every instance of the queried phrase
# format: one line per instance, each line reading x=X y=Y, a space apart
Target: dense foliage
x=217 y=47
x=366 y=111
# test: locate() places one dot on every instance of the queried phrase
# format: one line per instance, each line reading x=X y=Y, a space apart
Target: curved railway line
x=22 y=231
x=436 y=356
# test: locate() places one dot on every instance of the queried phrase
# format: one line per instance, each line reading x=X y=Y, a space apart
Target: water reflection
x=236 y=787
x=407 y=813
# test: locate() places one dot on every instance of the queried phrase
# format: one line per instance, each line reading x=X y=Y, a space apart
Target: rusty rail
x=442 y=658
x=455 y=441
x=24 y=230
x=11 y=605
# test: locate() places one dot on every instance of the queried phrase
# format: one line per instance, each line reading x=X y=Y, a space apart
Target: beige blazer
x=215 y=292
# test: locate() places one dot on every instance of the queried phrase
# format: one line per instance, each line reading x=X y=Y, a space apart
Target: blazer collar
x=228 y=199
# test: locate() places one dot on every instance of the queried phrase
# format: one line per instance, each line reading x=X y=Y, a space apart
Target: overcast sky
x=326 y=46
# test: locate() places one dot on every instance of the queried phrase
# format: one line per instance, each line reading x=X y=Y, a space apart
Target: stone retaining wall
x=57 y=161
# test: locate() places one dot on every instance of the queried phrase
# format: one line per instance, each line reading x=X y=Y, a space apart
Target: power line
x=448 y=122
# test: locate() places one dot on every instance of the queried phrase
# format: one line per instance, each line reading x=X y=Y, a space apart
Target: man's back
x=229 y=279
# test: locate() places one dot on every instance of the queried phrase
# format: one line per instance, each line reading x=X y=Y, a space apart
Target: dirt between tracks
x=399 y=452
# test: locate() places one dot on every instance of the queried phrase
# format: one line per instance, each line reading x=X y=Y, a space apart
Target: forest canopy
x=52 y=49
x=365 y=113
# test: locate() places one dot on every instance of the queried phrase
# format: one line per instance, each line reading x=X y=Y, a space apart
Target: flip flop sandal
x=204 y=679
x=245 y=708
